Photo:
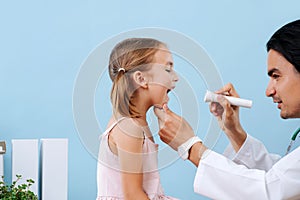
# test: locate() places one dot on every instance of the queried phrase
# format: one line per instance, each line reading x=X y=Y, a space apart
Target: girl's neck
x=141 y=121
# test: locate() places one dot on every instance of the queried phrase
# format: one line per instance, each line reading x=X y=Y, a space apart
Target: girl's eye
x=168 y=69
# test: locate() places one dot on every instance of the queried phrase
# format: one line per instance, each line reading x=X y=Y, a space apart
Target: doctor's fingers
x=228 y=109
x=166 y=132
x=229 y=90
x=216 y=109
x=160 y=114
x=165 y=115
x=171 y=125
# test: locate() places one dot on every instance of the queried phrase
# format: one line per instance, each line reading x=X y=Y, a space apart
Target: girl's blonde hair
x=128 y=56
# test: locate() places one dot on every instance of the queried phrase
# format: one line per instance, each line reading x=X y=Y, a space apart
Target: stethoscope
x=294 y=136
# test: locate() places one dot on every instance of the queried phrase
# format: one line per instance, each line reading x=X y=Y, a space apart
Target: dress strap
x=112 y=126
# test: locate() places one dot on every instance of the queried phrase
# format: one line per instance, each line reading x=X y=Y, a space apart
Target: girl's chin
x=158 y=106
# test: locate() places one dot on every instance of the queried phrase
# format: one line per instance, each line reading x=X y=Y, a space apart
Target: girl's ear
x=140 y=79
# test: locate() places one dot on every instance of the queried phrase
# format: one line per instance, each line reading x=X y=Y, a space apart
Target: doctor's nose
x=270 y=90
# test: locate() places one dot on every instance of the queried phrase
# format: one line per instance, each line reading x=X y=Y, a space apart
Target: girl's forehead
x=163 y=55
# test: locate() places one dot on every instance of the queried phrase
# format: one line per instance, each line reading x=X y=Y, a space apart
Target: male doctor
x=252 y=173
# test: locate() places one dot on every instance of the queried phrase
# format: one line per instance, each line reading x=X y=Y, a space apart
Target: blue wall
x=43 y=44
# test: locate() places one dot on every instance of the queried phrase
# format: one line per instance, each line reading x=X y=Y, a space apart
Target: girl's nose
x=175 y=77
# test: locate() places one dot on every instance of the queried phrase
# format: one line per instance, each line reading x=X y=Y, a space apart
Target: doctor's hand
x=228 y=116
x=173 y=129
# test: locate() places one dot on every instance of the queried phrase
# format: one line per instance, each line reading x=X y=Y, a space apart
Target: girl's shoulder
x=128 y=127
x=128 y=135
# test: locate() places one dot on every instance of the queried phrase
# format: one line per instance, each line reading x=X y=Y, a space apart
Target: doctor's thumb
x=160 y=114
x=166 y=108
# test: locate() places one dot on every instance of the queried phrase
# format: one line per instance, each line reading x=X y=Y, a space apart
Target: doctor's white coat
x=252 y=173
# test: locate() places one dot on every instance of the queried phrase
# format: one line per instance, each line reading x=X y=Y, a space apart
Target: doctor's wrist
x=184 y=149
x=196 y=152
x=237 y=138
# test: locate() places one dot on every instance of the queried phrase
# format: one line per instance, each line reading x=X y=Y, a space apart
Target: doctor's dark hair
x=127 y=57
x=286 y=41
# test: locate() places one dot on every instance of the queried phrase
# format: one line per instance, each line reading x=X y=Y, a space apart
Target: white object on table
x=25 y=161
x=54 y=154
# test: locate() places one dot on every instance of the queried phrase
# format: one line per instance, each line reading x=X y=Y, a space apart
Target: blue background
x=43 y=44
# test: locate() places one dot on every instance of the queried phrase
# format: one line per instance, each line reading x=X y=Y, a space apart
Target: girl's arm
x=129 y=142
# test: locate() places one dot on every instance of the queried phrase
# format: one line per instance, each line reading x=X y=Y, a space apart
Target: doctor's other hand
x=228 y=116
x=173 y=129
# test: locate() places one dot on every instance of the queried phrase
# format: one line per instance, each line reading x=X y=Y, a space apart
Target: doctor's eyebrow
x=272 y=71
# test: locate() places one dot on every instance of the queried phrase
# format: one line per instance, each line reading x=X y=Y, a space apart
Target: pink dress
x=109 y=175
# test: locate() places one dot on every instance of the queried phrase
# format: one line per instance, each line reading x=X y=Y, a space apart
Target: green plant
x=17 y=192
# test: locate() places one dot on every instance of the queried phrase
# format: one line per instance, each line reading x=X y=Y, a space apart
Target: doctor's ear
x=140 y=79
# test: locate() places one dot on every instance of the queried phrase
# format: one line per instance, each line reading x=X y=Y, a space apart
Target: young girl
x=142 y=73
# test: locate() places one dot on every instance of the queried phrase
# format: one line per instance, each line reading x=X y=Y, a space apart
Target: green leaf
x=17 y=192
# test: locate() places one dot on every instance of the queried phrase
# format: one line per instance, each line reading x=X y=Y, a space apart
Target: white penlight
x=212 y=97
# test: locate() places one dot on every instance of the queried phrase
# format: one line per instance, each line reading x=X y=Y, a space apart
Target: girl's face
x=162 y=77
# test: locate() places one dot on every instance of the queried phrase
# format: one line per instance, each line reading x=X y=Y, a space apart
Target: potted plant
x=17 y=192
